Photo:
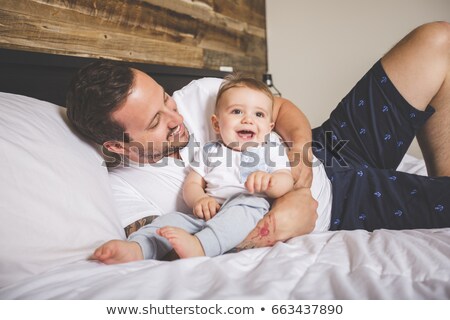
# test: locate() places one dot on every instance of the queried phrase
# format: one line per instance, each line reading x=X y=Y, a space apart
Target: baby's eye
x=260 y=114
x=236 y=111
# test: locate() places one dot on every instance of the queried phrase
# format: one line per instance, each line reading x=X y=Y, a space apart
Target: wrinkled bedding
x=384 y=264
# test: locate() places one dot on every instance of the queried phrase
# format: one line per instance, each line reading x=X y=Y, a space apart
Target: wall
x=318 y=49
x=200 y=33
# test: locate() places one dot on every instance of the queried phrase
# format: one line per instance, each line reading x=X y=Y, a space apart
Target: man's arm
x=293 y=126
x=291 y=215
x=135 y=226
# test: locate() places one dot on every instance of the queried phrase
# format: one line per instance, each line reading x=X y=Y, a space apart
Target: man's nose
x=175 y=119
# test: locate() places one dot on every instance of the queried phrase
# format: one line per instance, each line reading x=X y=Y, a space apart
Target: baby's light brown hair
x=236 y=80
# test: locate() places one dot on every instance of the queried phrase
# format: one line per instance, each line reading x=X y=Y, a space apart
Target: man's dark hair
x=95 y=92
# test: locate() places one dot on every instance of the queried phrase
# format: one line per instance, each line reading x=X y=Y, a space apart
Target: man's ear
x=215 y=123
x=115 y=146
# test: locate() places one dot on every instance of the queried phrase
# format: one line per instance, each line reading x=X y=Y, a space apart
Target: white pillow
x=56 y=204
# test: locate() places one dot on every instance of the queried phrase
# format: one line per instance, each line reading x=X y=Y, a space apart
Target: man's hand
x=205 y=208
x=293 y=126
x=292 y=215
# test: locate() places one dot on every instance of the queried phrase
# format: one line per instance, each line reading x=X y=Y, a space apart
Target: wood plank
x=175 y=32
x=251 y=11
x=106 y=15
x=140 y=21
x=208 y=11
x=28 y=32
x=245 y=64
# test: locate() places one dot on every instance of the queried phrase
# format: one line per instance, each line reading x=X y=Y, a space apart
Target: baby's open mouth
x=246 y=134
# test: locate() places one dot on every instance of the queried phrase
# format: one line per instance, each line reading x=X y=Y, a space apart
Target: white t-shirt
x=225 y=170
x=154 y=189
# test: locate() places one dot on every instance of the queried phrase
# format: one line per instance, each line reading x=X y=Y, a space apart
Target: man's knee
x=436 y=34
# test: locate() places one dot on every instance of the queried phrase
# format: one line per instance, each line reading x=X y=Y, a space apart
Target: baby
x=235 y=173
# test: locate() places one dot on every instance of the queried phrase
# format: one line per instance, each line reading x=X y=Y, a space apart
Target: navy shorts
x=361 y=145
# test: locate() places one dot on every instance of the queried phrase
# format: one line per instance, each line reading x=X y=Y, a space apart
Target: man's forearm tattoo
x=135 y=226
x=261 y=235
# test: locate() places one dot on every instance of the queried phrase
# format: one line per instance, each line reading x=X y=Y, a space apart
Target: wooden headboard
x=47 y=76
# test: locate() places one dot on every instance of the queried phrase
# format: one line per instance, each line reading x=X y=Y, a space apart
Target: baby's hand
x=258 y=181
x=205 y=208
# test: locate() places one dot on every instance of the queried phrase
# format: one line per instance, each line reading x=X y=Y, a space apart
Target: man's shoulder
x=121 y=171
x=206 y=85
x=125 y=170
x=206 y=82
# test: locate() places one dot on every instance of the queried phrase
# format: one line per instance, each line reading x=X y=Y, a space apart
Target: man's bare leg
x=419 y=67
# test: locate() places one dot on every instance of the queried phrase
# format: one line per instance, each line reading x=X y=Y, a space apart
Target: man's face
x=150 y=118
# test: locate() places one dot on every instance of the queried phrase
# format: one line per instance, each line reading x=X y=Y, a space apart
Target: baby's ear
x=272 y=124
x=215 y=123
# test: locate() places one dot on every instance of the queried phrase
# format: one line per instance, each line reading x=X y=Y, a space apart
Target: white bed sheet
x=384 y=264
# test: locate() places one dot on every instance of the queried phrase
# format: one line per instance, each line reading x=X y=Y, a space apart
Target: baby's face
x=243 y=118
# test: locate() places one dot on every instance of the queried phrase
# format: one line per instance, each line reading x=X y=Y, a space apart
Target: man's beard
x=168 y=149
x=152 y=156
x=165 y=149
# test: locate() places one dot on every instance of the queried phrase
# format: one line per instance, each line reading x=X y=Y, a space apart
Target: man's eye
x=155 y=122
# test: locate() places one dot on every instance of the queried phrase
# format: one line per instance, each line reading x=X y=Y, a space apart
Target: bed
x=56 y=207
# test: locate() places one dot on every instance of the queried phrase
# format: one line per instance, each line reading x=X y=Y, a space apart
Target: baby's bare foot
x=118 y=251
x=185 y=244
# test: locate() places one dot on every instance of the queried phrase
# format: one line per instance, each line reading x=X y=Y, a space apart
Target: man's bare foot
x=118 y=251
x=185 y=244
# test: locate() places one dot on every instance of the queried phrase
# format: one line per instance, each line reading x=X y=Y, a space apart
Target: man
x=128 y=113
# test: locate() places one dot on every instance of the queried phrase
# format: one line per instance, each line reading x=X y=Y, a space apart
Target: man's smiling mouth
x=178 y=131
